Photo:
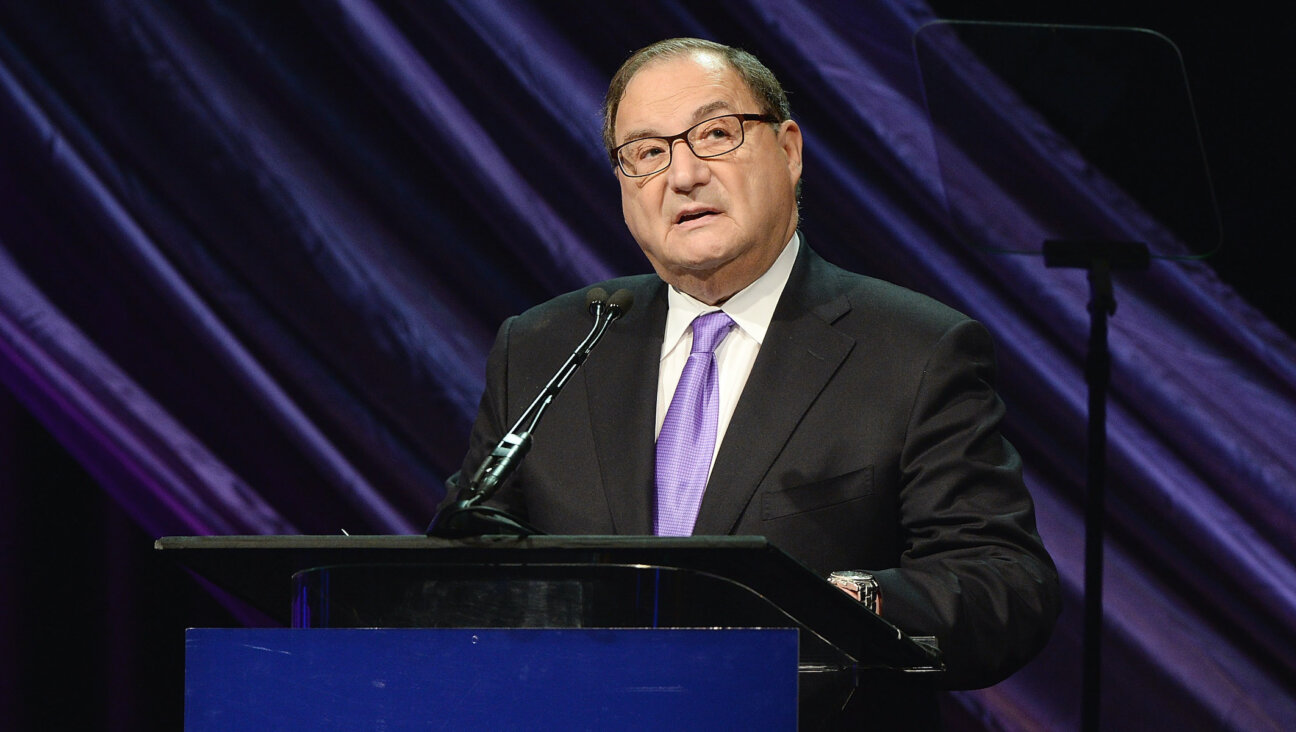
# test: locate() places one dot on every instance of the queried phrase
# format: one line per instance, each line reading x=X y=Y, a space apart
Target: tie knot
x=709 y=330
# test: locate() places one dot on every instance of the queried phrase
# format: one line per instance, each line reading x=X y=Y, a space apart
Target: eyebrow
x=701 y=113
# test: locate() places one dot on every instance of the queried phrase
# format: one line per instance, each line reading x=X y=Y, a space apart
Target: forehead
x=669 y=94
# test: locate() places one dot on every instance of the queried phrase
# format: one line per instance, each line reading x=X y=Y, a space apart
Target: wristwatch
x=859 y=585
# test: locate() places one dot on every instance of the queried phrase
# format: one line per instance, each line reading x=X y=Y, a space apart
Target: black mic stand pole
x=1100 y=258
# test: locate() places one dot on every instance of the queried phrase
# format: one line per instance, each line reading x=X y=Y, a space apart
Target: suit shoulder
x=879 y=302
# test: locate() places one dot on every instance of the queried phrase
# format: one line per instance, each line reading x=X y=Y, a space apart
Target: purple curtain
x=252 y=256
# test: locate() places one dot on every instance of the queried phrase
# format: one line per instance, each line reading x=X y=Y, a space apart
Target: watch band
x=860 y=585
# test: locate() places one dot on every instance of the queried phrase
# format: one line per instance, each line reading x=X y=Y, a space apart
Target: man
x=853 y=422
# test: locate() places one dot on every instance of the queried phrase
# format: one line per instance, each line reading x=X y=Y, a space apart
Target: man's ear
x=790 y=141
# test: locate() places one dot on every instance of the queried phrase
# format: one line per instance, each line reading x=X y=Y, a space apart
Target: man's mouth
x=688 y=216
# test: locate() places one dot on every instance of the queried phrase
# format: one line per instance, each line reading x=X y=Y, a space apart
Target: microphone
x=598 y=303
x=467 y=516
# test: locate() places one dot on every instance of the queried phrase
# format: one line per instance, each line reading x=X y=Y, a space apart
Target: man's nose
x=686 y=170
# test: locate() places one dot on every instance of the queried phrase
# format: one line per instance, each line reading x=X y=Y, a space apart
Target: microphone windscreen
x=621 y=301
x=594 y=298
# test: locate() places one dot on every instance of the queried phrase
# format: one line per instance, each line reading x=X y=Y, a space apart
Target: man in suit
x=854 y=422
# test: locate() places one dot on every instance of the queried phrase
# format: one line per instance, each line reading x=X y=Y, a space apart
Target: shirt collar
x=752 y=308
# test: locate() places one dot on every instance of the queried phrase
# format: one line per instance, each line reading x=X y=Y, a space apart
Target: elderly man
x=756 y=389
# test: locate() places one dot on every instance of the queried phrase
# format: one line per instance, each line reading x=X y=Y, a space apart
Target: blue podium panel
x=500 y=679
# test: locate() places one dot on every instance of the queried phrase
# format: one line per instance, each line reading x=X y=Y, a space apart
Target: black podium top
x=621 y=581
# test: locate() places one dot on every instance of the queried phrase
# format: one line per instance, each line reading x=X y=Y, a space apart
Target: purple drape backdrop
x=252 y=256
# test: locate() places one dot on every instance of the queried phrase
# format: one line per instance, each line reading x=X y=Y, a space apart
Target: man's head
x=709 y=226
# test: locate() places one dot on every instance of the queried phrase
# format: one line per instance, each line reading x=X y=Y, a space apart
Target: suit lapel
x=798 y=358
x=622 y=388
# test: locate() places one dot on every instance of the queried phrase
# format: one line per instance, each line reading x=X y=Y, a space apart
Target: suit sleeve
x=973 y=570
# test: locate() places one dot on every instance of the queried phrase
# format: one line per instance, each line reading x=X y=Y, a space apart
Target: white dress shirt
x=751 y=308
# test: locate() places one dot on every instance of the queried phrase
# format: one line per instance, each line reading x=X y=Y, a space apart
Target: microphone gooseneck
x=467 y=516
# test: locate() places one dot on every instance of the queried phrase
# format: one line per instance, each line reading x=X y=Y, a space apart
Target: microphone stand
x=1100 y=258
x=467 y=516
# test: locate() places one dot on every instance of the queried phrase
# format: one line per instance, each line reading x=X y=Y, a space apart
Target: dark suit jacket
x=867 y=437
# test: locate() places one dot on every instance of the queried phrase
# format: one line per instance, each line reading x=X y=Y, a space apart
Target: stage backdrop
x=252 y=256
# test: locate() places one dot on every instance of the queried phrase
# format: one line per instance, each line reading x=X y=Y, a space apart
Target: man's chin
x=700 y=251
x=701 y=268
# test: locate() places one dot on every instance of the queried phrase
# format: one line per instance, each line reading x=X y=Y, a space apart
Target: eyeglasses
x=707 y=139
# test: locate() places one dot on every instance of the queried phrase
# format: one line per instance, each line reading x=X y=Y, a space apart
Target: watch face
x=852 y=574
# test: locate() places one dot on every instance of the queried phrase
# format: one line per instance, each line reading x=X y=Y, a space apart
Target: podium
x=667 y=589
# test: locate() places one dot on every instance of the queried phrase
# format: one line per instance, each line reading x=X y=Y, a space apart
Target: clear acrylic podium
x=521 y=585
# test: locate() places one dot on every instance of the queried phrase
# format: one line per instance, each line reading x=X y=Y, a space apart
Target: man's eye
x=647 y=152
x=716 y=132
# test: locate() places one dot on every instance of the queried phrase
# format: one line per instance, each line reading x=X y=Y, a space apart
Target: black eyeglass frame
x=670 y=142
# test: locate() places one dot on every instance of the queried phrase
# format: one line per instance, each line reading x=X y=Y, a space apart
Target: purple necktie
x=688 y=436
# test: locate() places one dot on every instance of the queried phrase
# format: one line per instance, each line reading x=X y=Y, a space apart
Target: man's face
x=709 y=227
